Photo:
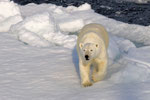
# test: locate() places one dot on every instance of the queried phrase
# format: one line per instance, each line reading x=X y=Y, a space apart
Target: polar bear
x=92 y=44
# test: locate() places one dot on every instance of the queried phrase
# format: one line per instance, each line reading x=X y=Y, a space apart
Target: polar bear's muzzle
x=87 y=57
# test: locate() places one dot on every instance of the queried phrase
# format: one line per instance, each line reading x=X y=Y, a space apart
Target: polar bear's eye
x=96 y=45
x=91 y=50
x=84 y=50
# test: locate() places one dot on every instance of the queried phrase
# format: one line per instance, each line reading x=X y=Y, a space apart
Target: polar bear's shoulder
x=96 y=28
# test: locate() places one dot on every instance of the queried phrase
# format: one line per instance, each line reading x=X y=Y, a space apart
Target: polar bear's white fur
x=92 y=47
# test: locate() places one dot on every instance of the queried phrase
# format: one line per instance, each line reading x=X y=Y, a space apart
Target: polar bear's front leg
x=84 y=73
x=99 y=70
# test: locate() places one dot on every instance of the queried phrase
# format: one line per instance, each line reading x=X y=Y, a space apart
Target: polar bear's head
x=89 y=51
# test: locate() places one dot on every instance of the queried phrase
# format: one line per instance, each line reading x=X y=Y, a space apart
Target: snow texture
x=9 y=15
x=40 y=30
x=52 y=72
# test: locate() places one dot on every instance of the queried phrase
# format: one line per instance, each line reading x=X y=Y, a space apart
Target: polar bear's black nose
x=86 y=57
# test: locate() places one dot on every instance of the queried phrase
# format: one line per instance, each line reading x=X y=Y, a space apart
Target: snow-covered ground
x=39 y=60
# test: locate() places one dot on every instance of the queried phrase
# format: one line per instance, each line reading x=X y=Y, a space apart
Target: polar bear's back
x=97 y=28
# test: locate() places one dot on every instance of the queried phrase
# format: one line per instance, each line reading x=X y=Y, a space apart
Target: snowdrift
x=9 y=15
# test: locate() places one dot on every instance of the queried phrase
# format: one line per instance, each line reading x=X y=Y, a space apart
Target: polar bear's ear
x=80 y=45
x=97 y=45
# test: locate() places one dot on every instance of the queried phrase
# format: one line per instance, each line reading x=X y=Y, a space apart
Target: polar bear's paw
x=96 y=78
x=87 y=84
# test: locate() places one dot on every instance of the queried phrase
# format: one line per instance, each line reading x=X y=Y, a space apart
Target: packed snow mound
x=68 y=23
x=135 y=33
x=71 y=25
x=140 y=55
x=9 y=15
x=129 y=71
x=83 y=7
x=124 y=45
x=40 y=30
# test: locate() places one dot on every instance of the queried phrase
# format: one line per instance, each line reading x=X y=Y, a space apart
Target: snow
x=9 y=15
x=43 y=64
x=40 y=30
x=134 y=53
x=83 y=7
x=74 y=25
